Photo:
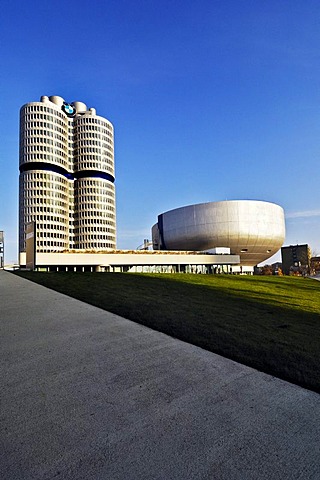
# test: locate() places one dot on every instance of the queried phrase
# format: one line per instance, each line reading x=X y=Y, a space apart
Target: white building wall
x=131 y=259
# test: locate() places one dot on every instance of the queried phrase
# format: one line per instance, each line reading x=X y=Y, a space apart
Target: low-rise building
x=296 y=259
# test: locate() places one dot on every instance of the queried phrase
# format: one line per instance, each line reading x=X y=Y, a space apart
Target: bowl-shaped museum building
x=253 y=229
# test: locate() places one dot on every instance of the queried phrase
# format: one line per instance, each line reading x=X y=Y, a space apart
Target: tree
x=266 y=270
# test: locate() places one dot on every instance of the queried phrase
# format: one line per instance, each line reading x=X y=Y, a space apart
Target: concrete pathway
x=86 y=395
x=315 y=277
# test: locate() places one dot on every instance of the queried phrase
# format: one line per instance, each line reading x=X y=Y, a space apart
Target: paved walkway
x=315 y=277
x=86 y=395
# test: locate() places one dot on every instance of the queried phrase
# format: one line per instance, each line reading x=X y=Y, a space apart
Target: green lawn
x=270 y=323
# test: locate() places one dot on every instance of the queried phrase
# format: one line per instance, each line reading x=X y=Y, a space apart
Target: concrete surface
x=315 y=277
x=88 y=395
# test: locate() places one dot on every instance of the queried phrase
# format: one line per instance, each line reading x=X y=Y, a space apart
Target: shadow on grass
x=275 y=339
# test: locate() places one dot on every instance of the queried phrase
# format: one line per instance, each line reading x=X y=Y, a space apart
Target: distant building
x=315 y=265
x=276 y=268
x=296 y=259
x=1 y=249
x=66 y=183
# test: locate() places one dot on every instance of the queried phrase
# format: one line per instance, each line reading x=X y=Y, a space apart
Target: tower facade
x=66 y=182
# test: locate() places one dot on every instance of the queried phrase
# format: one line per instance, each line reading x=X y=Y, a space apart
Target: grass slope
x=269 y=323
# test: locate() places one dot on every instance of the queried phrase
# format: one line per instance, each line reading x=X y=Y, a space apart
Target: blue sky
x=210 y=100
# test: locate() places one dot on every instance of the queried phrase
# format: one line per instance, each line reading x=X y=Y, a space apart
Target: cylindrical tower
x=44 y=182
x=66 y=176
x=94 y=193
